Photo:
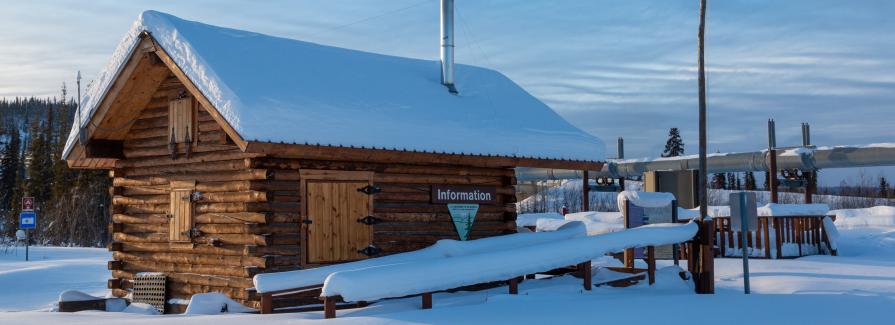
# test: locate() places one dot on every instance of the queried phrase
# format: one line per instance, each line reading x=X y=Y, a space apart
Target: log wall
x=249 y=215
x=228 y=214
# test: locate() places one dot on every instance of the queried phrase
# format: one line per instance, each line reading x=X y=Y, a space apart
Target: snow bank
x=644 y=199
x=878 y=216
x=495 y=265
x=141 y=308
x=267 y=282
x=75 y=295
x=531 y=219
x=788 y=210
x=271 y=84
x=213 y=303
x=599 y=222
x=550 y=224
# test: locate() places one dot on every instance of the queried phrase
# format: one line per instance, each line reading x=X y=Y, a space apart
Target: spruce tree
x=883 y=187
x=732 y=181
x=750 y=181
x=675 y=145
x=719 y=181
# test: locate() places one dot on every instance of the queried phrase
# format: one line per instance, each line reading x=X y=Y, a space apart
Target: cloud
x=613 y=68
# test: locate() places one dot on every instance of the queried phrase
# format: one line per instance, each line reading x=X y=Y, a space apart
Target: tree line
x=71 y=205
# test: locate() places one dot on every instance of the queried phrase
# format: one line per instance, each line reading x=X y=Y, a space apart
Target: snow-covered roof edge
x=203 y=77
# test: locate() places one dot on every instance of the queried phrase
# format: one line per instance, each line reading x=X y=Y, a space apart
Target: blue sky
x=613 y=68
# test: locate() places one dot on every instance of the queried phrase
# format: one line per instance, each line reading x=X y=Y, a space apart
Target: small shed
x=233 y=153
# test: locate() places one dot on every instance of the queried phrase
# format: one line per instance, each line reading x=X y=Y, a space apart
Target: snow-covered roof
x=284 y=90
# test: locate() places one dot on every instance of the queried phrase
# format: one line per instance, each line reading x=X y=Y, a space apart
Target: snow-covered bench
x=424 y=277
x=291 y=282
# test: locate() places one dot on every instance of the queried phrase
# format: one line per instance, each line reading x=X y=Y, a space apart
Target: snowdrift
x=878 y=216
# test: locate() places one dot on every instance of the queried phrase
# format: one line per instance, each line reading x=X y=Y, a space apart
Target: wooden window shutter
x=181 y=120
x=180 y=221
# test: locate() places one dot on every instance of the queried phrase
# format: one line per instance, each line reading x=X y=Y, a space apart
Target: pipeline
x=802 y=158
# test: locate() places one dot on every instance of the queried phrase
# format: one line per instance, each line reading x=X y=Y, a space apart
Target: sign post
x=743 y=217
x=27 y=220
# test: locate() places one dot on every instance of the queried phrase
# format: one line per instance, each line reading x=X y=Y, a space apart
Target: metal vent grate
x=150 y=288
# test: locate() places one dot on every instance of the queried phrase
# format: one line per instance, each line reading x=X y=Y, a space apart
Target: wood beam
x=410 y=157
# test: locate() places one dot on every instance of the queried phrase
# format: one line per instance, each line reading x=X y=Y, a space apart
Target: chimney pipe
x=447 y=45
x=806 y=135
x=620 y=149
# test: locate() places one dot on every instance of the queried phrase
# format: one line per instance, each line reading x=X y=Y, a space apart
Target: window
x=182 y=121
x=180 y=221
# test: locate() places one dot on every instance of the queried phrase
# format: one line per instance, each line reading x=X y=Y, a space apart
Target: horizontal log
x=165 y=151
x=439 y=217
x=196 y=157
x=236 y=175
x=273 y=185
x=233 y=217
x=210 y=166
x=182 y=258
x=211 y=137
x=197 y=279
x=191 y=289
x=146 y=266
x=278 y=228
x=446 y=226
x=428 y=236
x=206 y=187
x=285 y=250
x=390 y=207
x=140 y=218
x=229 y=250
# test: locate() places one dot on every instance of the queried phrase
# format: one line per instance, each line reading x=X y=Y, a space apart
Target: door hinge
x=370 y=250
x=307 y=221
x=369 y=220
x=370 y=189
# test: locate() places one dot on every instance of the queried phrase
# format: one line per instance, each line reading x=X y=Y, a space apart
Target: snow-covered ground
x=36 y=284
x=857 y=287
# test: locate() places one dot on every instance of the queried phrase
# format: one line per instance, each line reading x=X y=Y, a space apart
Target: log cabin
x=234 y=153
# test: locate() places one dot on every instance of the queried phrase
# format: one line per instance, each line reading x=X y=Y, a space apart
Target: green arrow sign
x=463 y=216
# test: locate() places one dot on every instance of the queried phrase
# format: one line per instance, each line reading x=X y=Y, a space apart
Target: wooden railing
x=803 y=231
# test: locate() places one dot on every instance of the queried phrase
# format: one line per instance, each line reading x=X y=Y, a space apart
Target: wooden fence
x=803 y=231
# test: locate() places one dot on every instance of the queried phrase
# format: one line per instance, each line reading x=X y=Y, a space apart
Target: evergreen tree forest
x=70 y=204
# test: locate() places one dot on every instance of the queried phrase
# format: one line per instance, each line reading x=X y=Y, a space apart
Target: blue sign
x=27 y=220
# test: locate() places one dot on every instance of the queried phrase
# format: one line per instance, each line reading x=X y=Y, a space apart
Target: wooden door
x=334 y=209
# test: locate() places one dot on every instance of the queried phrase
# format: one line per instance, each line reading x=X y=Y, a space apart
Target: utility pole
x=704 y=251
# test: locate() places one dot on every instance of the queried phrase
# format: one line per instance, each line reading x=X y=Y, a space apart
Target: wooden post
x=586 y=276
x=329 y=307
x=628 y=255
x=772 y=161
x=651 y=263
x=266 y=303
x=767 y=237
x=778 y=236
x=585 y=191
x=513 y=286
x=427 y=300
